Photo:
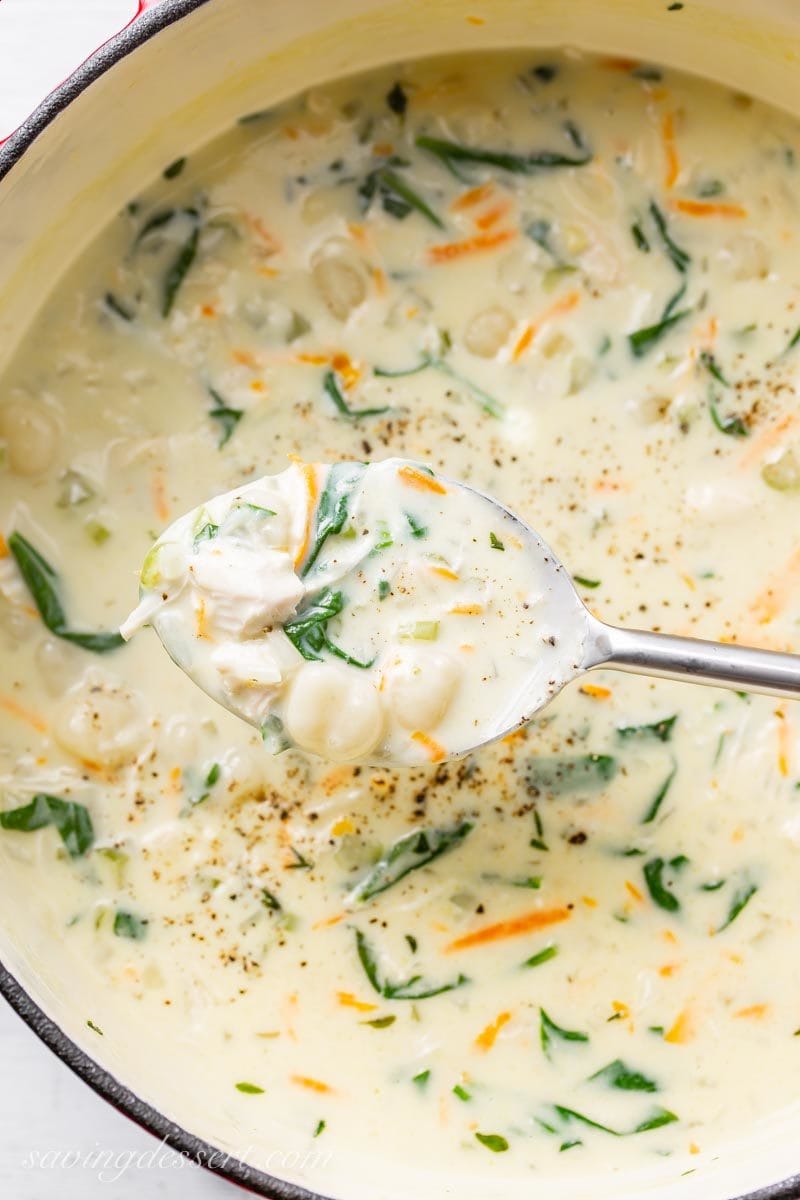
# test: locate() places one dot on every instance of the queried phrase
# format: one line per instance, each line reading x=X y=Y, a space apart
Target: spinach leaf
x=587 y=583
x=643 y=340
x=397 y=99
x=414 y=988
x=487 y=402
x=657 y=1118
x=639 y=238
x=43 y=584
x=174 y=169
x=492 y=1141
x=571 y=1114
x=72 y=821
x=450 y=153
x=713 y=367
x=396 y=195
x=548 y=1030
x=660 y=797
x=332 y=510
x=117 y=307
x=618 y=1075
x=228 y=418
x=741 y=897
x=128 y=925
x=657 y=887
x=409 y=853
x=573 y=773
x=662 y=730
x=331 y=386
x=543 y=956
x=731 y=425
x=179 y=268
x=678 y=257
x=308 y=630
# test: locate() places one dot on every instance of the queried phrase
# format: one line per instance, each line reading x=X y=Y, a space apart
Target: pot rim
x=142 y=27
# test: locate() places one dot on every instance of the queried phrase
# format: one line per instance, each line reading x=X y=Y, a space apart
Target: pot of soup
x=549 y=249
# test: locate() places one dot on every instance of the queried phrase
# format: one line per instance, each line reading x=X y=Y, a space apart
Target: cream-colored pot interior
x=175 y=92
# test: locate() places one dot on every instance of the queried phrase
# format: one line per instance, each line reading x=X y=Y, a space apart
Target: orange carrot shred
x=160 y=495
x=475 y=195
x=14 y=709
x=540 y=918
x=681 y=1031
x=493 y=215
x=446 y=252
x=673 y=167
x=486 y=1039
x=419 y=480
x=753 y=1010
x=348 y=1000
x=435 y=750
x=310 y=477
x=313 y=1085
x=706 y=208
x=445 y=573
x=563 y=305
x=632 y=889
x=467 y=610
x=596 y=692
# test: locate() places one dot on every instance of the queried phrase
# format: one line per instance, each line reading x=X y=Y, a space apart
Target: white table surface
x=52 y=1127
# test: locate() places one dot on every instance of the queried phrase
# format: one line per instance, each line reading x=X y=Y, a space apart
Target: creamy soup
x=572 y=282
x=446 y=646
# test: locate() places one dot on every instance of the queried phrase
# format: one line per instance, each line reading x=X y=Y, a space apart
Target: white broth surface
x=574 y=283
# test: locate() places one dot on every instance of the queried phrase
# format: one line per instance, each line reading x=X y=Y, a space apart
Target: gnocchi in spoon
x=384 y=613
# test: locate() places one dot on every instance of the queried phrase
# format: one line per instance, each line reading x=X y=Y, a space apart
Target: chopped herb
x=94 y=1028
x=714 y=886
x=117 y=307
x=300 y=863
x=795 y=338
x=157 y=221
x=228 y=418
x=397 y=99
x=662 y=730
x=381 y=1022
x=412 y=942
x=332 y=510
x=384 y=587
x=570 y=1114
x=43 y=584
x=409 y=853
x=74 y=489
x=538 y=844
x=450 y=153
x=731 y=425
x=488 y=403
x=534 y=882
x=649 y=74
x=174 y=169
x=98 y=532
x=660 y=797
x=494 y=542
x=492 y=1141
x=741 y=897
x=658 y=1118
x=462 y=1093
x=421 y=1078
x=545 y=72
x=679 y=258
x=319 y=1128
x=539 y=231
x=385 y=373
x=654 y=878
x=657 y=1029
x=250 y=1089
x=581 y=772
x=331 y=386
x=414 y=988
x=549 y=1030
x=128 y=925
x=618 y=1075
x=417 y=529
x=582 y=581
x=270 y=900
x=543 y=956
x=676 y=6
x=639 y=238
x=205 y=533
x=72 y=821
x=710 y=187
x=210 y=779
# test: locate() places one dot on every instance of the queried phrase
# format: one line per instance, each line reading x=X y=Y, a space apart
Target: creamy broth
x=574 y=951
x=361 y=612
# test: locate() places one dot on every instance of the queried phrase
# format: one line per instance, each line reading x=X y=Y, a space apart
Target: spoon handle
x=721 y=664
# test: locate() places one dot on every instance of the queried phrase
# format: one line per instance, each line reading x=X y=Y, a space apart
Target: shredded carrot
x=476 y=20
x=754 y=1010
x=310 y=477
x=435 y=750
x=160 y=495
x=268 y=242
x=540 y=918
x=620 y=64
x=14 y=709
x=419 y=480
x=445 y=573
x=668 y=970
x=596 y=692
x=767 y=439
x=383 y=149
x=202 y=622
x=208 y=310
x=446 y=252
x=621 y=1009
x=244 y=358
x=694 y=1148
x=633 y=890
x=475 y=195
x=348 y=1000
x=766 y=606
x=4 y=551
x=706 y=208
x=518 y=735
x=670 y=937
x=681 y=1031
x=290 y=132
x=493 y=215
x=346 y=369
x=673 y=166
x=327 y=922
x=486 y=1039
x=467 y=610
x=690 y=583
x=258 y=385
x=342 y=826
x=313 y=1085
x=380 y=280
x=589 y=901
x=316 y=360
x=561 y=306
